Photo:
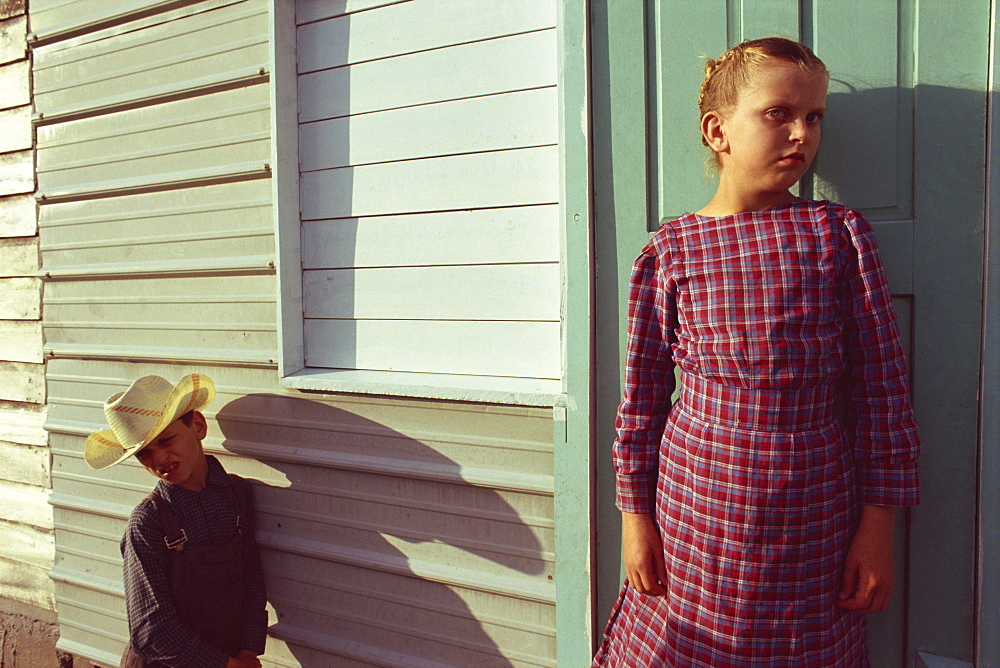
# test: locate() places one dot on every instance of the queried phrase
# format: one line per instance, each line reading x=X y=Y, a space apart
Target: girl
x=757 y=511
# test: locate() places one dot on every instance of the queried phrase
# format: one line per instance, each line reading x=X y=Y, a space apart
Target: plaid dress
x=793 y=411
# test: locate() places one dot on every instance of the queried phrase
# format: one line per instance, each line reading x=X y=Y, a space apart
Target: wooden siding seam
x=116 y=613
x=193 y=178
x=356 y=588
x=89 y=555
x=442 y=47
x=65 y=32
x=417 y=105
x=130 y=66
x=122 y=511
x=345 y=648
x=223 y=357
x=200 y=87
x=339 y=9
x=398 y=629
x=214 y=206
x=246 y=233
x=145 y=325
x=492 y=479
x=212 y=266
x=108 y=509
x=399 y=214
x=384 y=432
x=434 y=156
x=162 y=299
x=528 y=554
x=144 y=152
x=88 y=581
x=453 y=576
x=80 y=649
x=360 y=401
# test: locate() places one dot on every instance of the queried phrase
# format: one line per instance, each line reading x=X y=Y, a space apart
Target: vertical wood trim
x=285 y=185
x=987 y=641
x=621 y=177
x=573 y=433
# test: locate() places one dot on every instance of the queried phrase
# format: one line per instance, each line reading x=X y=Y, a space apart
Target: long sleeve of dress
x=158 y=633
x=649 y=383
x=255 y=596
x=880 y=419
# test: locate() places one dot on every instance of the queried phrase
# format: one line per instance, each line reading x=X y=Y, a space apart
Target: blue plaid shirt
x=209 y=518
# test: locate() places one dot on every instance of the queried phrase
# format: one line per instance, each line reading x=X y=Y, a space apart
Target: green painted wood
x=949 y=154
x=620 y=213
x=988 y=649
x=903 y=142
x=573 y=423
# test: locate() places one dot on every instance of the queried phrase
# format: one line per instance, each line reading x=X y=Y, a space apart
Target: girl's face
x=769 y=139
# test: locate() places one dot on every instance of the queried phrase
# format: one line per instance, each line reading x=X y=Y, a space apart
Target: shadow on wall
x=376 y=551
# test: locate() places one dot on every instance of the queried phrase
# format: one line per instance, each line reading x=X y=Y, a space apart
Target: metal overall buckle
x=177 y=544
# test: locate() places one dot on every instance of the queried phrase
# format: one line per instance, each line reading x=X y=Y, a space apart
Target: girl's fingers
x=849 y=581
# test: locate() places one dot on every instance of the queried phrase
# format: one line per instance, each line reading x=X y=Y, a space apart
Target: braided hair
x=736 y=68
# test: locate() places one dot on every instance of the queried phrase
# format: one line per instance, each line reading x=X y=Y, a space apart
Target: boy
x=193 y=585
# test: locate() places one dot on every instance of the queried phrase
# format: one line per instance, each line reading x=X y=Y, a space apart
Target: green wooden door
x=904 y=142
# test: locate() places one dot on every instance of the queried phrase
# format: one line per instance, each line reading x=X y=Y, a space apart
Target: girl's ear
x=714 y=131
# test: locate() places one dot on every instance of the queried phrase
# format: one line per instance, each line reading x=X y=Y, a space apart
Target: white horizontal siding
x=406 y=116
x=502 y=121
x=410 y=27
x=172 y=52
x=149 y=143
x=492 y=292
x=519 y=177
x=520 y=349
x=393 y=532
x=17 y=216
x=15 y=129
x=13 y=32
x=26 y=519
x=518 y=62
x=388 y=528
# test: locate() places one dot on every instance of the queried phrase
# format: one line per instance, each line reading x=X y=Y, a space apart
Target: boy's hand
x=867 y=582
x=642 y=553
x=245 y=659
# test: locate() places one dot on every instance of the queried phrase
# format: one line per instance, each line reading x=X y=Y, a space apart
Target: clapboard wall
x=25 y=515
x=430 y=178
x=394 y=531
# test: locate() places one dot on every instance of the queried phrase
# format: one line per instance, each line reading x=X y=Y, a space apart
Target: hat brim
x=192 y=393
x=103 y=450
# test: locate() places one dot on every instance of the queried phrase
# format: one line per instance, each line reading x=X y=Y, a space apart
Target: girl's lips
x=794 y=157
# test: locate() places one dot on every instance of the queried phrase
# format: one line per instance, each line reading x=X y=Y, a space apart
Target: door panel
x=904 y=143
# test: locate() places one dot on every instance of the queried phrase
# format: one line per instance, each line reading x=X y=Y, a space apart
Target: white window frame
x=292 y=369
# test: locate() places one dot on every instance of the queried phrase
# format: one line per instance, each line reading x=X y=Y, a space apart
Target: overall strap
x=241 y=518
x=173 y=535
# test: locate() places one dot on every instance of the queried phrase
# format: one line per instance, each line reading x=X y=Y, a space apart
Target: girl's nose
x=800 y=130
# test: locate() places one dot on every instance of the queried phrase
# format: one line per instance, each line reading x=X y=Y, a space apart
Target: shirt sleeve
x=156 y=631
x=255 y=594
x=649 y=383
x=879 y=412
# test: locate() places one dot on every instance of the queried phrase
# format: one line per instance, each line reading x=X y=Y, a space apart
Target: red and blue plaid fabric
x=793 y=411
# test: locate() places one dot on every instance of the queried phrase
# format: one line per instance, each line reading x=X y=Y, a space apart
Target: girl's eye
x=778 y=114
x=814 y=117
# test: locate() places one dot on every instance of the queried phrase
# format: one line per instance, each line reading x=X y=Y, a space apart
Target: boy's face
x=176 y=455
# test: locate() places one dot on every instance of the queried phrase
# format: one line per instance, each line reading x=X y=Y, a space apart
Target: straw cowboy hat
x=141 y=412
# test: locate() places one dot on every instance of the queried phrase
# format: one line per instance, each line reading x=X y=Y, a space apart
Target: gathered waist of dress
x=757 y=409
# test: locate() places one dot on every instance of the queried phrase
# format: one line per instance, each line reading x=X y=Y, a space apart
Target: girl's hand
x=642 y=553
x=867 y=581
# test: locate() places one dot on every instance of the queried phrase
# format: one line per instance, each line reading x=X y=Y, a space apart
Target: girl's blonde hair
x=736 y=68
